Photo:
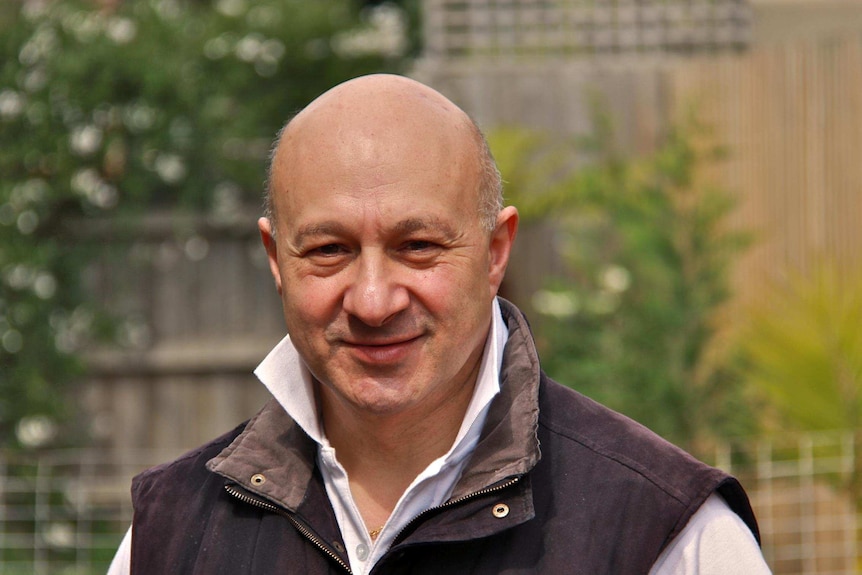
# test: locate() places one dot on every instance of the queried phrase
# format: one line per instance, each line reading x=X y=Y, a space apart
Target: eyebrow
x=317 y=229
x=403 y=227
x=411 y=225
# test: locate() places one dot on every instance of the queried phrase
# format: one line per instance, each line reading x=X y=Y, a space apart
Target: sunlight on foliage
x=804 y=351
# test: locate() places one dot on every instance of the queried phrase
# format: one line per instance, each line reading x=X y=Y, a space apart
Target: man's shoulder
x=589 y=439
x=584 y=428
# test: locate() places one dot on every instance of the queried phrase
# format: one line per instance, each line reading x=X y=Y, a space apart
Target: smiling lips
x=381 y=353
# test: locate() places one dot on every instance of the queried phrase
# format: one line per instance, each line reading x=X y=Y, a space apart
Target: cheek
x=431 y=287
x=451 y=289
x=309 y=302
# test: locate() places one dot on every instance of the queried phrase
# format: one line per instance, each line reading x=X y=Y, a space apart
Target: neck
x=401 y=444
x=384 y=453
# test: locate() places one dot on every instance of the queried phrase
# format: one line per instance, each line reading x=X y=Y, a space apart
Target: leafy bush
x=632 y=322
x=803 y=351
x=802 y=355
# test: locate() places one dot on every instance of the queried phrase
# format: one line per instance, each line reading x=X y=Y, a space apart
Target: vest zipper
x=307 y=533
x=461 y=499
x=245 y=498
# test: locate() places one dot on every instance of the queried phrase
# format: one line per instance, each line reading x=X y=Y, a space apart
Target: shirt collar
x=289 y=381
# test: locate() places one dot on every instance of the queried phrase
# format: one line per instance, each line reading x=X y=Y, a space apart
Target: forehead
x=336 y=206
x=402 y=163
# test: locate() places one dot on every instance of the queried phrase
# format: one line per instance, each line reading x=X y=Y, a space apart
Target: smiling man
x=411 y=428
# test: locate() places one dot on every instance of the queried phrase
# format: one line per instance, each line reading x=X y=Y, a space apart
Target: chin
x=381 y=399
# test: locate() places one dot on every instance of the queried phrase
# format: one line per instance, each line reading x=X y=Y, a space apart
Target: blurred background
x=689 y=174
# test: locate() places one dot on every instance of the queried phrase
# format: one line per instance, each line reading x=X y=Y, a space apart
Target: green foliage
x=632 y=323
x=803 y=351
x=803 y=355
x=156 y=103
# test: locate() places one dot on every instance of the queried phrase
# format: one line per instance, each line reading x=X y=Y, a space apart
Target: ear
x=269 y=244
x=502 y=239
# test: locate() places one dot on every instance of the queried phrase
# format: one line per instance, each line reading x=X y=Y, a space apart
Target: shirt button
x=362 y=552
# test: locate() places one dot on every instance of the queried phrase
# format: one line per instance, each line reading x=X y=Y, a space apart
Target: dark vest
x=606 y=497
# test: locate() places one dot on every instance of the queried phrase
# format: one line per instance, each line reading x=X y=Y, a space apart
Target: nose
x=375 y=294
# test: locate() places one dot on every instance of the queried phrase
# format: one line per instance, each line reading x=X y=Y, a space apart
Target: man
x=412 y=430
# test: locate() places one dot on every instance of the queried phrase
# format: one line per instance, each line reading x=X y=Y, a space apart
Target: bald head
x=367 y=119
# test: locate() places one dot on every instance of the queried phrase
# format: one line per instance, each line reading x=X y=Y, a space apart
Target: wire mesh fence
x=489 y=28
x=65 y=512
x=804 y=489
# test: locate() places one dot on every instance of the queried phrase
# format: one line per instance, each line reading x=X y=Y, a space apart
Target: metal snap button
x=258 y=479
x=338 y=547
x=500 y=510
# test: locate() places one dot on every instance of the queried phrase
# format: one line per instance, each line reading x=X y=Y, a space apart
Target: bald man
x=411 y=428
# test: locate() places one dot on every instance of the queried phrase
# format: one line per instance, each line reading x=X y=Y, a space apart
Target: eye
x=327 y=250
x=326 y=254
x=418 y=245
x=420 y=252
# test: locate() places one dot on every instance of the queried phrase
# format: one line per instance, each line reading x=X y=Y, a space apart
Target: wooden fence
x=199 y=310
x=791 y=118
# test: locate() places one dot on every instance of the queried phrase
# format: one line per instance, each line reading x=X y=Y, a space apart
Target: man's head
x=390 y=243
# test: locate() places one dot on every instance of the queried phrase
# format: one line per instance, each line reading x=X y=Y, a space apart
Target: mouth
x=384 y=352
